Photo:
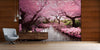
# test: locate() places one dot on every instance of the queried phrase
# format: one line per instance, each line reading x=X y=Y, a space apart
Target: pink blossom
x=71 y=7
x=20 y=29
x=72 y=31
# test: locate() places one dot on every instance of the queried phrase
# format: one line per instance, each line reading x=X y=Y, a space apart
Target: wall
x=90 y=18
x=7 y=13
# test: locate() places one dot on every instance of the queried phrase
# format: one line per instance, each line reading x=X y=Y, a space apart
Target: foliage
x=64 y=21
x=77 y=23
x=68 y=23
x=45 y=22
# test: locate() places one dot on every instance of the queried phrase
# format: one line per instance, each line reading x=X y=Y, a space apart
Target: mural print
x=60 y=18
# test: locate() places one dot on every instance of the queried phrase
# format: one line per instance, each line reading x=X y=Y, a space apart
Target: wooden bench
x=33 y=35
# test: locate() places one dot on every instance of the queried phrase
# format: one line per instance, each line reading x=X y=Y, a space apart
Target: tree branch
x=77 y=17
x=38 y=11
x=47 y=19
x=22 y=15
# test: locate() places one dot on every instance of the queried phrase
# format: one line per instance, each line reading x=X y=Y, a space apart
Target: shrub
x=69 y=22
x=77 y=23
x=64 y=21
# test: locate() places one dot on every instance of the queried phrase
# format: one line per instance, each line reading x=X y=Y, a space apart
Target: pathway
x=54 y=35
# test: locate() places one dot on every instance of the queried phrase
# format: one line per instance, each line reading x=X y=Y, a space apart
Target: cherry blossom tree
x=34 y=11
x=32 y=8
x=70 y=8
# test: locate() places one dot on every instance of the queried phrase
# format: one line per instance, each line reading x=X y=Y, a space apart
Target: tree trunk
x=73 y=22
x=26 y=27
x=58 y=21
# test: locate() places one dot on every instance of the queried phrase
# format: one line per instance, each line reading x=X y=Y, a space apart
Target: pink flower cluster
x=72 y=31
